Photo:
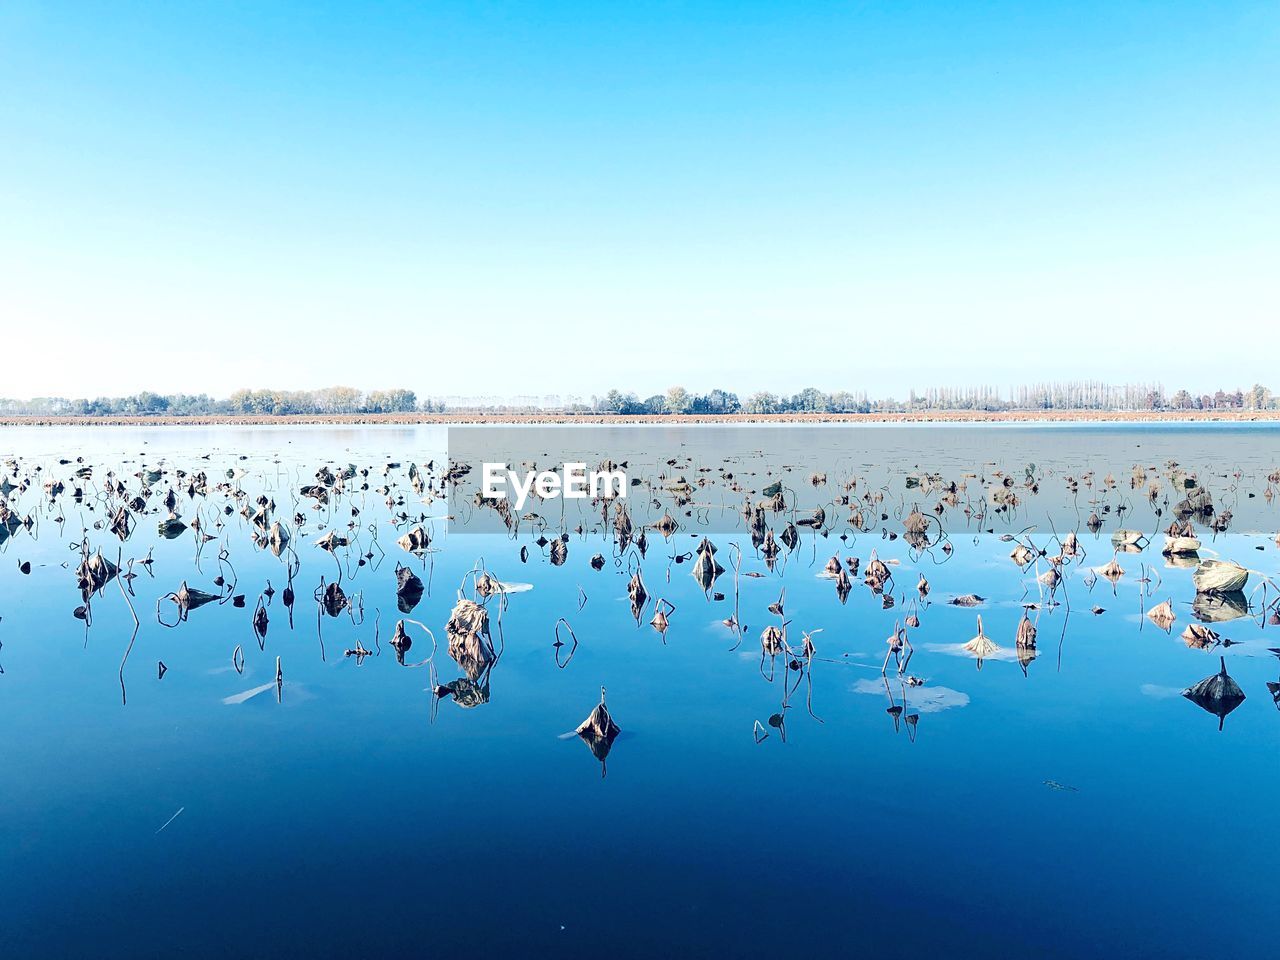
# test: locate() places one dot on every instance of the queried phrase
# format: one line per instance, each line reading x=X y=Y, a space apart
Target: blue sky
x=492 y=198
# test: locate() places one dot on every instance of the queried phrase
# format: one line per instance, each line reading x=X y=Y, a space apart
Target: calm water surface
x=1074 y=805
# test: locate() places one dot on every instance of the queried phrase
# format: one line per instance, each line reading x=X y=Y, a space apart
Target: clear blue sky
x=491 y=198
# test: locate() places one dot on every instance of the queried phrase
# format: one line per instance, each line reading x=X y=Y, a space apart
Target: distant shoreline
x=448 y=419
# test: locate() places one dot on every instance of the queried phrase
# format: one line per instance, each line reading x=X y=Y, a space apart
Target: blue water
x=1081 y=807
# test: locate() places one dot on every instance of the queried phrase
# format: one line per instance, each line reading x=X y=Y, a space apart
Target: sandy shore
x=1048 y=416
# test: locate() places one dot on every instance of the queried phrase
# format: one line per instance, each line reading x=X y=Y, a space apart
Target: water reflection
x=1218 y=694
x=767 y=684
x=840 y=542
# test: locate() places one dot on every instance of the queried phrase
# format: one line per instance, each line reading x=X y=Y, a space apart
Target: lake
x=164 y=794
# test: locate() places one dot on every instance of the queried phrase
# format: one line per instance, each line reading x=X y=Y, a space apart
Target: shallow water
x=1075 y=805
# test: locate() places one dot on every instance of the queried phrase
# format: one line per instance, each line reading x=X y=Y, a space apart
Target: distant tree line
x=328 y=400
x=324 y=401
x=1073 y=395
x=1082 y=395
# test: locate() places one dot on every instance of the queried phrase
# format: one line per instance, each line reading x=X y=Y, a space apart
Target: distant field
x=956 y=416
